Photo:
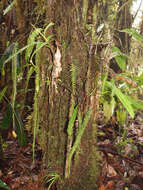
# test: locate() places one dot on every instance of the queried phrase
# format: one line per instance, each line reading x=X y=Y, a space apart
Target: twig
x=106 y=150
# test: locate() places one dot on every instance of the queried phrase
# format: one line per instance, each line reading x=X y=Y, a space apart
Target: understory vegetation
x=71 y=78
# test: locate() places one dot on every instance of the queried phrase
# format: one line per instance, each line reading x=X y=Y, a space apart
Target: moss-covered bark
x=74 y=80
x=73 y=88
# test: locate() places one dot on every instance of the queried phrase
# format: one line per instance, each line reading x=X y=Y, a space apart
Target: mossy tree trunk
x=77 y=83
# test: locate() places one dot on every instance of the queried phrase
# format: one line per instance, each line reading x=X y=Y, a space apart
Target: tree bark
x=57 y=101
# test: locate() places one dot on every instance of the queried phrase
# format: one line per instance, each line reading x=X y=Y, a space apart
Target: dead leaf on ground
x=110 y=185
x=111 y=171
x=102 y=187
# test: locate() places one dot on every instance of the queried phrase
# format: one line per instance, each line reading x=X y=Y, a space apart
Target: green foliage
x=19 y=128
x=139 y=79
x=14 y=79
x=22 y=138
x=36 y=105
x=9 y=7
x=108 y=108
x=2 y=93
x=7 y=54
x=125 y=102
x=121 y=116
x=115 y=94
x=135 y=35
x=35 y=44
x=31 y=39
x=136 y=104
x=4 y=185
x=29 y=74
x=73 y=70
x=52 y=178
x=72 y=121
x=82 y=125
x=120 y=58
x=7 y=118
x=84 y=11
x=110 y=91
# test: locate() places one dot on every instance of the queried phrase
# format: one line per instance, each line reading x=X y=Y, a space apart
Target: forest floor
x=120 y=148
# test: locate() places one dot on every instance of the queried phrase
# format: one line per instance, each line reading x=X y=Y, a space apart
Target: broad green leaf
x=4 y=185
x=135 y=34
x=108 y=109
x=120 y=58
x=2 y=93
x=22 y=138
x=7 y=118
x=136 y=104
x=121 y=116
x=125 y=101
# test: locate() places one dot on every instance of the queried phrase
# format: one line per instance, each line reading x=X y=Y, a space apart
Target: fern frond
x=73 y=70
x=31 y=39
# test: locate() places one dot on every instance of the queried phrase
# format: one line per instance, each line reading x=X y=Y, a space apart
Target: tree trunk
x=70 y=84
x=124 y=20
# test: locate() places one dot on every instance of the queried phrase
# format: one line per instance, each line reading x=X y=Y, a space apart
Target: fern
x=31 y=39
x=51 y=179
x=73 y=71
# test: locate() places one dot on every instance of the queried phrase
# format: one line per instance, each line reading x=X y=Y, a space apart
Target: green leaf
x=22 y=138
x=125 y=101
x=31 y=42
x=6 y=55
x=2 y=93
x=7 y=118
x=47 y=27
x=121 y=116
x=29 y=74
x=78 y=139
x=120 y=58
x=38 y=47
x=138 y=79
x=9 y=7
x=71 y=121
x=135 y=34
x=136 y=104
x=108 y=109
x=4 y=185
x=9 y=57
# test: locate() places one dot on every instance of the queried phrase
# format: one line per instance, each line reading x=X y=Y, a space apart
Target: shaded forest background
x=66 y=69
